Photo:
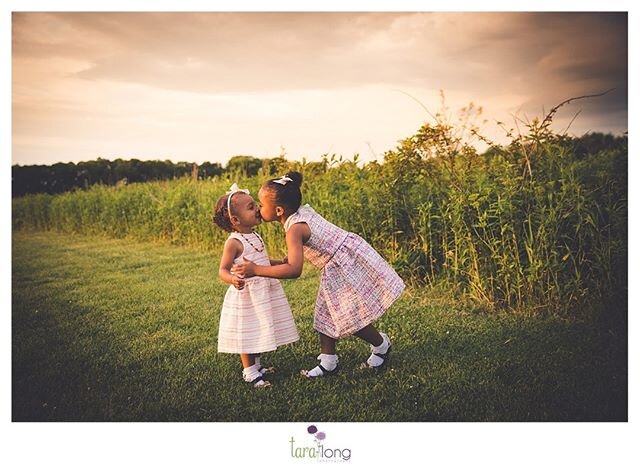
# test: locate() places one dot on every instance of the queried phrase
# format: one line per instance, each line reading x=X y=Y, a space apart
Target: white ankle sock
x=250 y=373
x=376 y=361
x=382 y=347
x=328 y=361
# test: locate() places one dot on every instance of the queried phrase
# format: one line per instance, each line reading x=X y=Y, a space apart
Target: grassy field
x=121 y=330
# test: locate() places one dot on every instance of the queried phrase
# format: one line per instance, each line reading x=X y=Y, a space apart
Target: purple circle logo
x=313 y=429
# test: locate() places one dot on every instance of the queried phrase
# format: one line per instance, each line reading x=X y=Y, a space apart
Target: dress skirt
x=356 y=287
x=256 y=319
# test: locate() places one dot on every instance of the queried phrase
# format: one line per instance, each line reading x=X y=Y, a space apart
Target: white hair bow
x=283 y=180
x=234 y=189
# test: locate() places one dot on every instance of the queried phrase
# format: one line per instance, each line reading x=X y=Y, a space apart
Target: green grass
x=122 y=330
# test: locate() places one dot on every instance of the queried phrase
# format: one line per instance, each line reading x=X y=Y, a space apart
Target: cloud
x=252 y=52
x=269 y=65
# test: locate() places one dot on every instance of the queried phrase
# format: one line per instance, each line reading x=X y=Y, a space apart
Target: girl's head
x=236 y=211
x=280 y=196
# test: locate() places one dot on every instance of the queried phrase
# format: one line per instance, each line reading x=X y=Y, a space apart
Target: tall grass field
x=516 y=261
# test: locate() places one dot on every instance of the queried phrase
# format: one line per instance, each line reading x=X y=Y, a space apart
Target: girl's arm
x=290 y=269
x=232 y=249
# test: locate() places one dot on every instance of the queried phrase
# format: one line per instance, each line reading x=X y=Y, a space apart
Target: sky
x=208 y=86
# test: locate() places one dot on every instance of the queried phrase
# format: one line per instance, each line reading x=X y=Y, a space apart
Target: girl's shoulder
x=303 y=214
x=234 y=242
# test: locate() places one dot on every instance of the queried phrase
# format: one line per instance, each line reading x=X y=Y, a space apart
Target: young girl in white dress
x=356 y=284
x=255 y=316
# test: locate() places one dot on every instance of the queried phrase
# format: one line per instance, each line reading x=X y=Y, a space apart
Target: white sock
x=251 y=373
x=328 y=361
x=376 y=361
x=383 y=347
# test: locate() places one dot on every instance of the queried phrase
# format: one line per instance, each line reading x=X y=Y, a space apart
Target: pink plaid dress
x=257 y=318
x=356 y=284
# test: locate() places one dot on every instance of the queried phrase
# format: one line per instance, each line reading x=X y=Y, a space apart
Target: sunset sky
x=208 y=86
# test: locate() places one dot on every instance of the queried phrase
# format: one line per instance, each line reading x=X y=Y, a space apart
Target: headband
x=234 y=189
x=283 y=180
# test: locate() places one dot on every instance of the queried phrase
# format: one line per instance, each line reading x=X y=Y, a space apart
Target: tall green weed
x=538 y=224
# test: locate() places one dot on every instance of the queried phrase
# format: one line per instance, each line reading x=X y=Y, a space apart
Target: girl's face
x=268 y=209
x=244 y=211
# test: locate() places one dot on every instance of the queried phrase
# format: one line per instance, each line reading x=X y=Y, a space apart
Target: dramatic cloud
x=107 y=77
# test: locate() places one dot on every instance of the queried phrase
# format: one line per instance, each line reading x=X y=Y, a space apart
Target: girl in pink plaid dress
x=356 y=284
x=255 y=315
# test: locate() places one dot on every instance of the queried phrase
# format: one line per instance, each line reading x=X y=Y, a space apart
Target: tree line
x=62 y=177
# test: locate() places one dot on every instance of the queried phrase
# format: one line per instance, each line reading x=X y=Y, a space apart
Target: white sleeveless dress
x=257 y=318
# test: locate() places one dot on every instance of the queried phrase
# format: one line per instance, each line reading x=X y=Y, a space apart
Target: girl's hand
x=246 y=269
x=237 y=281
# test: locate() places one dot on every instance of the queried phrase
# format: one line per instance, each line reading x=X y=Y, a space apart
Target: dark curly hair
x=221 y=214
x=287 y=195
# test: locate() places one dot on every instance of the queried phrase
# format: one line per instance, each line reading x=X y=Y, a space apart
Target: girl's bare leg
x=370 y=335
x=327 y=344
x=247 y=360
